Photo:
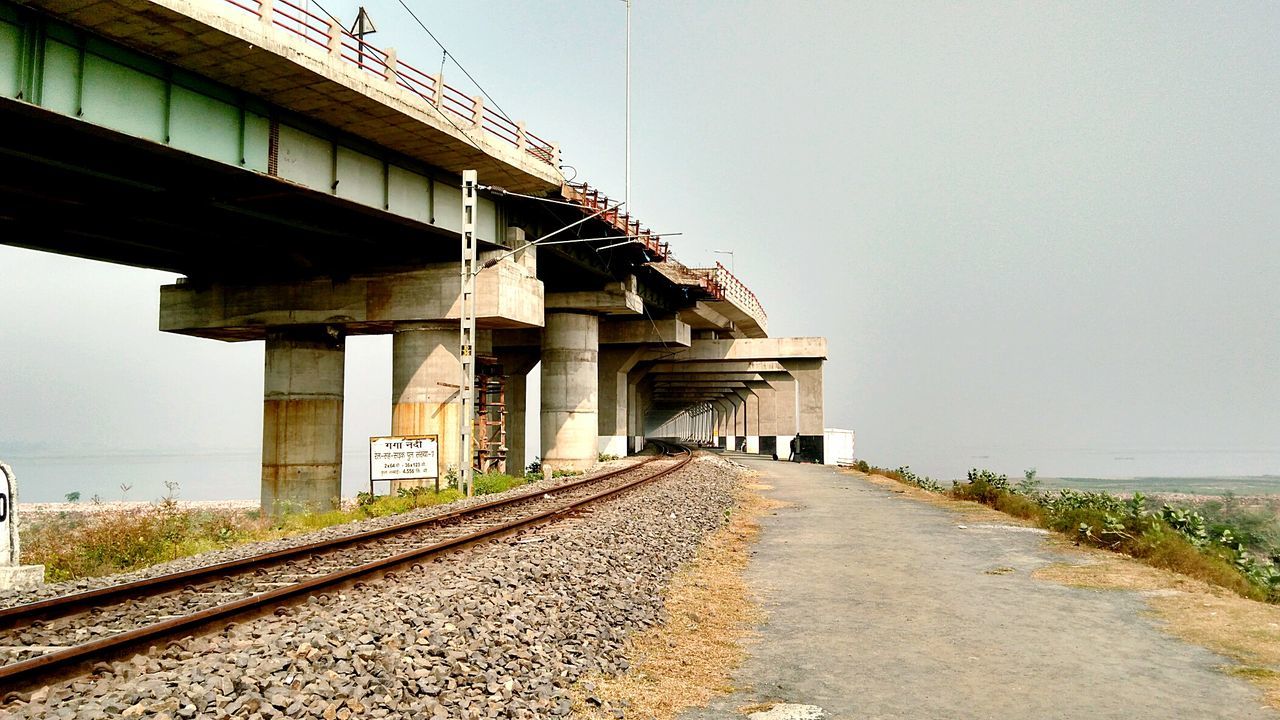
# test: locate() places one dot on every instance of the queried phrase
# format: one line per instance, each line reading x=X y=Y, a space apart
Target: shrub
x=1173 y=538
x=490 y=483
x=534 y=468
x=903 y=475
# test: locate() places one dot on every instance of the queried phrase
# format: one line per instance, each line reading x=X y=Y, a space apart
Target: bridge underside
x=72 y=188
x=299 y=219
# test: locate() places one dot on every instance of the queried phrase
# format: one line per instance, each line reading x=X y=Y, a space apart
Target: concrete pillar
x=785 y=425
x=570 y=390
x=636 y=405
x=516 y=366
x=733 y=430
x=808 y=377
x=718 y=421
x=517 y=388
x=615 y=366
x=766 y=417
x=302 y=419
x=752 y=430
x=425 y=375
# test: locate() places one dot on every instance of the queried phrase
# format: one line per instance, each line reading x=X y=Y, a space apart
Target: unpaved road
x=884 y=607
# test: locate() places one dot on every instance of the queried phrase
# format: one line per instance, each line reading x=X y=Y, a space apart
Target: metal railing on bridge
x=593 y=201
x=726 y=286
x=329 y=36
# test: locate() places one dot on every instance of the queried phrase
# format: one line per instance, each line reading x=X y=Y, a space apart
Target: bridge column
x=615 y=397
x=425 y=373
x=808 y=377
x=766 y=417
x=302 y=418
x=516 y=366
x=735 y=421
x=718 y=423
x=785 y=426
x=636 y=405
x=517 y=388
x=570 y=390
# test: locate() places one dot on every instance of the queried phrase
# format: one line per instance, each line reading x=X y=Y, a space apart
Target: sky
x=1034 y=234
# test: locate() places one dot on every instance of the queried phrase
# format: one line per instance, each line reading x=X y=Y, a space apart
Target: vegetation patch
x=688 y=660
x=1180 y=539
x=73 y=545
x=1184 y=561
x=1246 y=631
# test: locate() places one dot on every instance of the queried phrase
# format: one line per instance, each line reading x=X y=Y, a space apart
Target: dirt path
x=885 y=607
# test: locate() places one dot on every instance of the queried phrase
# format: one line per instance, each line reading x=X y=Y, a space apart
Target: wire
x=442 y=112
x=475 y=82
x=455 y=61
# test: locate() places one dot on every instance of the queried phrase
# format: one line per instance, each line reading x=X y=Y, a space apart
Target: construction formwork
x=490 y=442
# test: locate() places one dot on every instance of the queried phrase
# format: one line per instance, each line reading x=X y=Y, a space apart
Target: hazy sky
x=1043 y=233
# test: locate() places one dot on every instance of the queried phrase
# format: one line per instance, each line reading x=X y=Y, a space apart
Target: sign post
x=409 y=459
x=13 y=575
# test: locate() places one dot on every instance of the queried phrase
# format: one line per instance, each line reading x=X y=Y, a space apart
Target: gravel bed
x=146 y=608
x=9 y=598
x=500 y=630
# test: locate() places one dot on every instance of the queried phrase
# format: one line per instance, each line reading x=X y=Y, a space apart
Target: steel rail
x=64 y=605
x=28 y=672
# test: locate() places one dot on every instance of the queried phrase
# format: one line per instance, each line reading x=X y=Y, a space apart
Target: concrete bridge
x=306 y=186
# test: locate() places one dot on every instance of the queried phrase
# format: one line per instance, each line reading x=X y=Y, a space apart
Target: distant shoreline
x=1199 y=485
x=90 y=507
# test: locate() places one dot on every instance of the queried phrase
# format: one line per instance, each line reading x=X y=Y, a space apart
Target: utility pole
x=626 y=193
x=467 y=335
x=361 y=27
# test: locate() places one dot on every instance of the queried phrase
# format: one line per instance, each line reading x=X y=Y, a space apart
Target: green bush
x=490 y=483
x=903 y=475
x=1173 y=538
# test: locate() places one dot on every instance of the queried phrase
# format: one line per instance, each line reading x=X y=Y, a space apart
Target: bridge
x=307 y=187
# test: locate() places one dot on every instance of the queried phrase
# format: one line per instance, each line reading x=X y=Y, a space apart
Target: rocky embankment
x=503 y=629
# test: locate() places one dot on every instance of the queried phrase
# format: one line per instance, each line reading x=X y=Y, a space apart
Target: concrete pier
x=809 y=406
x=425 y=375
x=570 y=390
x=615 y=365
x=302 y=418
x=516 y=366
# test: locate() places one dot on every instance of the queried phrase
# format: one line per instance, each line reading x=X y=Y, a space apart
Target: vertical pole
x=467 y=333
x=626 y=194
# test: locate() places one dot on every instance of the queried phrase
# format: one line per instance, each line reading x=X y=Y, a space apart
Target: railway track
x=59 y=636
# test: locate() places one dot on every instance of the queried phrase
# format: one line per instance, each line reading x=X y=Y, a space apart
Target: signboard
x=414 y=457
x=8 y=523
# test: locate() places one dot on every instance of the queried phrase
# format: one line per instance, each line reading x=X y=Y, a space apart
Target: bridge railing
x=593 y=201
x=726 y=286
x=329 y=36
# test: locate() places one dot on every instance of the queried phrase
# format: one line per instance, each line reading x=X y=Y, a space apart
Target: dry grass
x=1247 y=631
x=972 y=511
x=687 y=661
x=74 y=544
x=1214 y=617
x=1158 y=545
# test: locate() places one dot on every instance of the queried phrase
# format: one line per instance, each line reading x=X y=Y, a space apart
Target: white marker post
x=13 y=576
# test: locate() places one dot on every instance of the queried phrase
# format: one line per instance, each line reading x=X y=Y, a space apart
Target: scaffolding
x=491 y=416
